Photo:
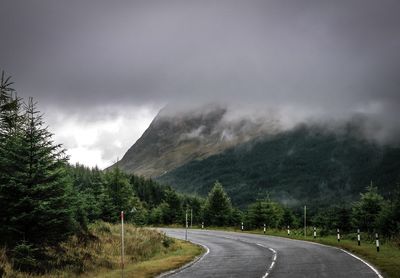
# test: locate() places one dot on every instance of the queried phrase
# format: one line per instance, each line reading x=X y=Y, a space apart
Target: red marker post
x=122 y=244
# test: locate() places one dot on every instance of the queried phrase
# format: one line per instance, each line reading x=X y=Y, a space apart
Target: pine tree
x=89 y=185
x=218 y=207
x=109 y=212
x=366 y=210
x=172 y=213
x=119 y=195
x=38 y=194
x=288 y=218
x=264 y=212
x=10 y=140
x=9 y=105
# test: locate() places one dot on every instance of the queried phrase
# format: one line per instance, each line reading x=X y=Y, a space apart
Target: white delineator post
x=122 y=244
x=288 y=230
x=377 y=242
x=315 y=232
x=358 y=237
x=264 y=229
x=242 y=226
x=202 y=225
x=338 y=235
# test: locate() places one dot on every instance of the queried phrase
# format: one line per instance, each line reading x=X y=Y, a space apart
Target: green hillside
x=303 y=165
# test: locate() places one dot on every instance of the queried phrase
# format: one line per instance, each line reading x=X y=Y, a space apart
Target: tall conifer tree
x=34 y=188
x=218 y=207
x=120 y=193
x=10 y=139
x=48 y=217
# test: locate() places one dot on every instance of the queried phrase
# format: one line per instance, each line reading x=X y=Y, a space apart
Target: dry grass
x=183 y=253
x=147 y=252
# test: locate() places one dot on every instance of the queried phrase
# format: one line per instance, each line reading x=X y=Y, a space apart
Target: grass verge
x=184 y=253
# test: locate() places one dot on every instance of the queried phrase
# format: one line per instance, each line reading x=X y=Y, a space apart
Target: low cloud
x=300 y=60
x=100 y=142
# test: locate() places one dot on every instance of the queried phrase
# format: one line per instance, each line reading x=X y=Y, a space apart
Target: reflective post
x=122 y=244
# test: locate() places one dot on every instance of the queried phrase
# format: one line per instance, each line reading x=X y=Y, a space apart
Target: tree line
x=147 y=202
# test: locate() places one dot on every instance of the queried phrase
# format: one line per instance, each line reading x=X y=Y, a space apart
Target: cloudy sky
x=101 y=70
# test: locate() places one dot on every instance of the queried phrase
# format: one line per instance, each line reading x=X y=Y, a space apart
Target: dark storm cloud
x=338 y=57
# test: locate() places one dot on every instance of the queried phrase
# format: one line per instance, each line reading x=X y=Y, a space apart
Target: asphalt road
x=246 y=255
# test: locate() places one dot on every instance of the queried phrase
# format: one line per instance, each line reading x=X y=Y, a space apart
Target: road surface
x=242 y=255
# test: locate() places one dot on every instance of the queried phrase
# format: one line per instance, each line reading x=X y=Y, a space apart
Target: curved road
x=246 y=255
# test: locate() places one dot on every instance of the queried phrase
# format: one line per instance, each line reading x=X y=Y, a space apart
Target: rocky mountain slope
x=174 y=139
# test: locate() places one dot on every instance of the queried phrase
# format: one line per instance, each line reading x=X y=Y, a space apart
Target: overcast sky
x=101 y=70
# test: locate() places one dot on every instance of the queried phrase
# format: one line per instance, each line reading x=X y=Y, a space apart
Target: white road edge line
x=273 y=260
x=259 y=244
x=334 y=247
x=196 y=260
x=370 y=266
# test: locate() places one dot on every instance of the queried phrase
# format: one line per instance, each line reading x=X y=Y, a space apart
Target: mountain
x=174 y=139
x=308 y=164
x=254 y=158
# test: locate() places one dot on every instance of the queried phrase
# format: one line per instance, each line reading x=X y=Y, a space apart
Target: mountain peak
x=179 y=135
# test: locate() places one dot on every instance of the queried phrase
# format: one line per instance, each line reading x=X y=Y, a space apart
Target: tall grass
x=99 y=252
